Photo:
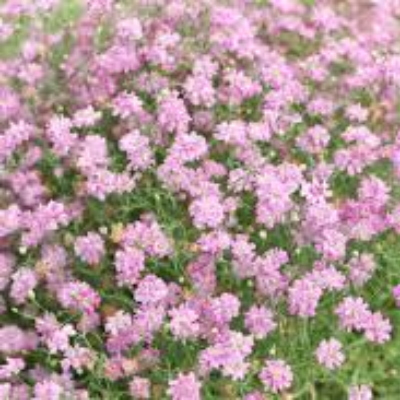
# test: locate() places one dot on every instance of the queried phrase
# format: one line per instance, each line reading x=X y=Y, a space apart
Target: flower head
x=329 y=354
x=276 y=375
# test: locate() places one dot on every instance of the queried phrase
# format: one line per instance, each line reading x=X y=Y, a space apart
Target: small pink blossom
x=361 y=392
x=329 y=354
x=276 y=375
x=184 y=387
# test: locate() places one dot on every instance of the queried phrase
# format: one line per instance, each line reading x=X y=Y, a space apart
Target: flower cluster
x=196 y=197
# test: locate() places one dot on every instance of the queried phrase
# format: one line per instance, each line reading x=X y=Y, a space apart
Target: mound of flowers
x=194 y=196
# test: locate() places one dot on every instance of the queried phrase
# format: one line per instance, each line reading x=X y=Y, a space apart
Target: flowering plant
x=199 y=200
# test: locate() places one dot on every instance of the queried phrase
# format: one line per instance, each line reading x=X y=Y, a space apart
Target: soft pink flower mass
x=198 y=199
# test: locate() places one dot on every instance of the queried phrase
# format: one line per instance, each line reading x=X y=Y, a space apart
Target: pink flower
x=238 y=87
x=396 y=295
x=332 y=244
x=329 y=354
x=130 y=28
x=172 y=114
x=129 y=263
x=128 y=104
x=12 y=367
x=228 y=355
x=361 y=269
x=151 y=290
x=259 y=321
x=92 y=154
x=13 y=137
x=189 y=147
x=14 y=340
x=328 y=278
x=79 y=296
x=137 y=148
x=377 y=328
x=274 y=188
x=361 y=392
x=200 y=91
x=10 y=105
x=201 y=273
x=224 y=308
x=6 y=31
x=353 y=313
x=24 y=282
x=276 y=375
x=139 y=388
x=60 y=135
x=11 y=220
x=304 y=296
x=207 y=212
x=90 y=248
x=44 y=220
x=244 y=257
x=149 y=237
x=184 y=322
x=234 y=132
x=357 y=113
x=77 y=359
x=102 y=183
x=118 y=59
x=55 y=335
x=29 y=187
x=86 y=117
x=314 y=140
x=185 y=387
x=193 y=176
